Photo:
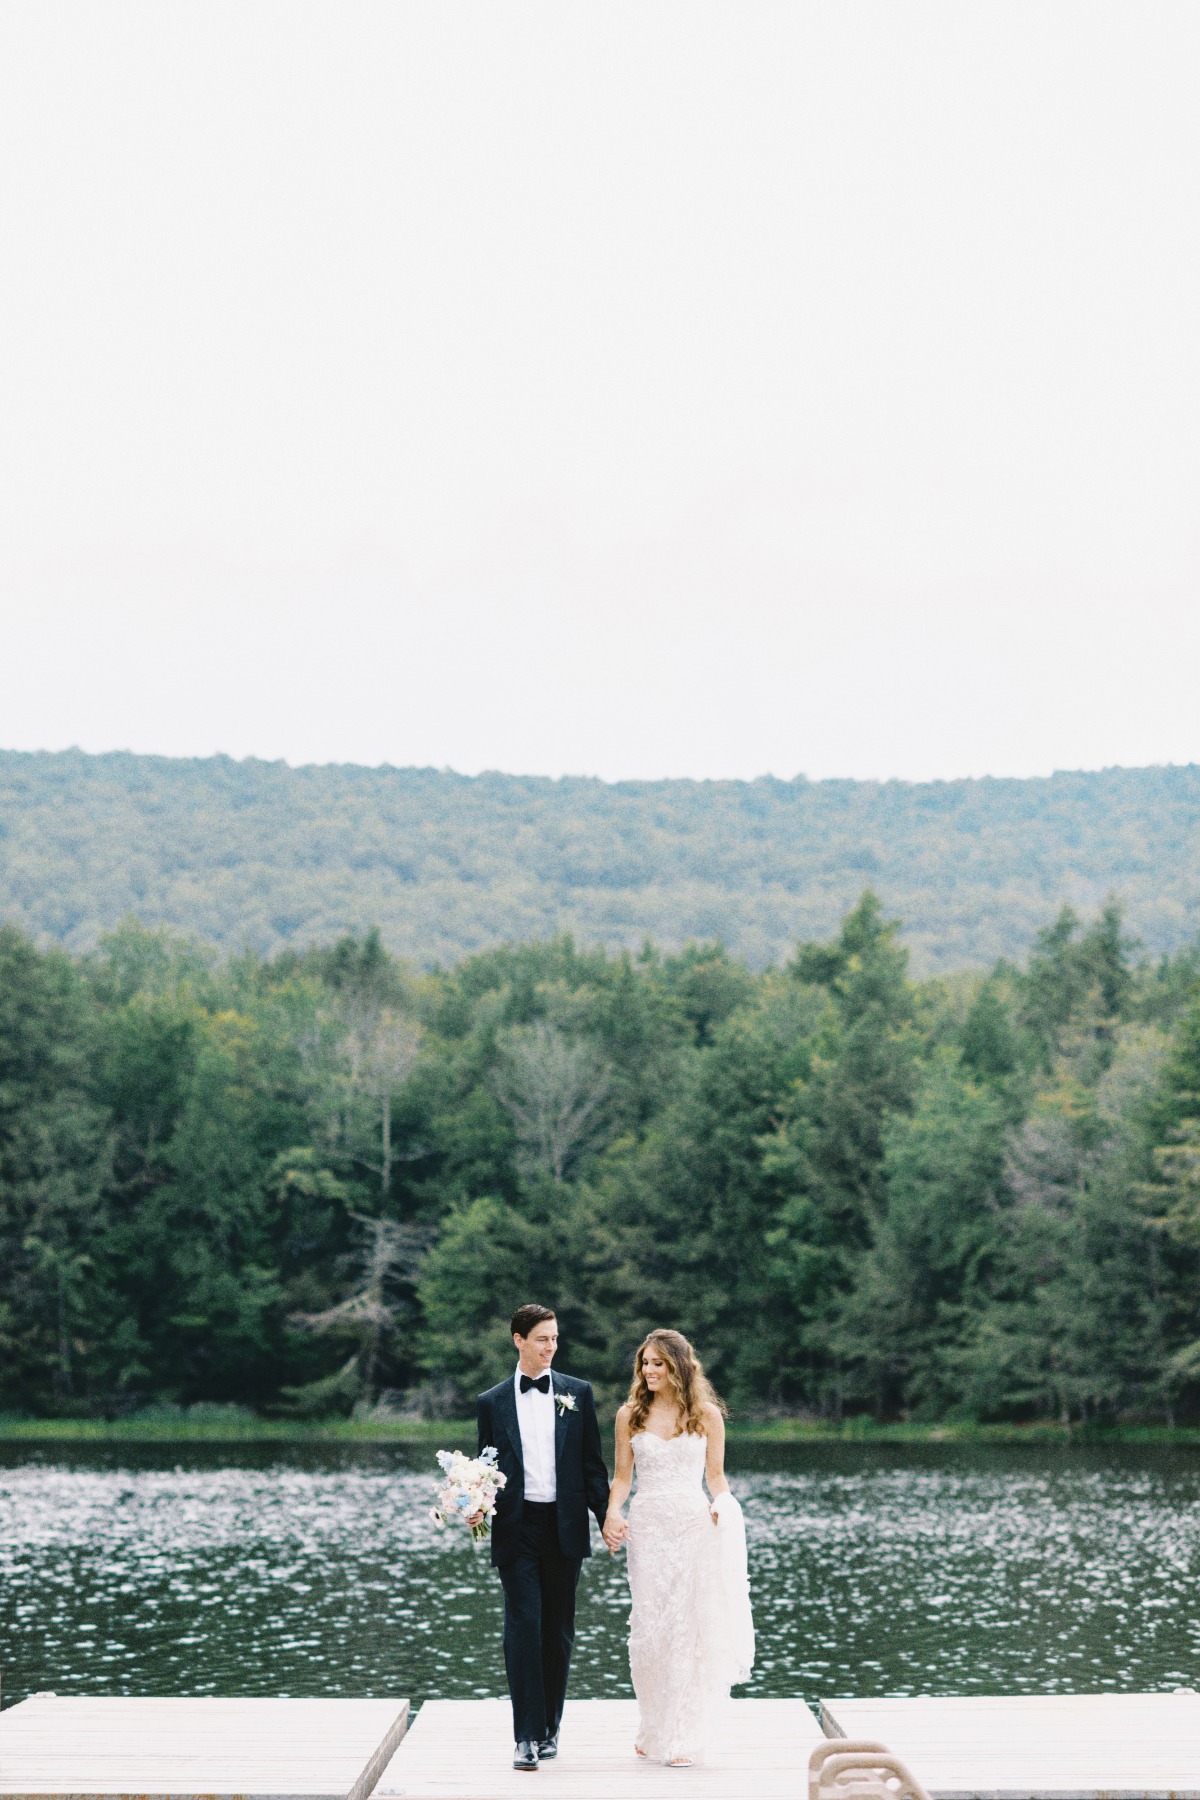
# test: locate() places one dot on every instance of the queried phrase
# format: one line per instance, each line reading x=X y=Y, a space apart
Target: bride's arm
x=614 y=1525
x=714 y=1462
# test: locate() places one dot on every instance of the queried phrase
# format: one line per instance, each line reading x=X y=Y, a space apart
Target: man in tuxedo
x=547 y=1436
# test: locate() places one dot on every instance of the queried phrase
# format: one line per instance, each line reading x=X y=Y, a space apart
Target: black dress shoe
x=525 y=1756
x=548 y=1748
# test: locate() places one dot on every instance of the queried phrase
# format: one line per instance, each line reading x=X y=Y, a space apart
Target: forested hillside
x=316 y=1183
x=262 y=855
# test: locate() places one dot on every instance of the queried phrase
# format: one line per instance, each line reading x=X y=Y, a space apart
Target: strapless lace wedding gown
x=691 y=1636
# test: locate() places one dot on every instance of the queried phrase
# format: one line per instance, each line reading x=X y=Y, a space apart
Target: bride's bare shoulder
x=712 y=1415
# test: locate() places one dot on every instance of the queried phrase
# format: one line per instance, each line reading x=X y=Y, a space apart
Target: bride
x=691 y=1636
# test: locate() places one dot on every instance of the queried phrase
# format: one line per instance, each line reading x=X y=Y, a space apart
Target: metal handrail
x=860 y=1769
x=835 y=1747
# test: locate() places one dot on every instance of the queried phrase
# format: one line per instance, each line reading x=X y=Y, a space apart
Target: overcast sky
x=627 y=389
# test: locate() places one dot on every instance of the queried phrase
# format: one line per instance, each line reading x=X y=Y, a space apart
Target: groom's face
x=536 y=1352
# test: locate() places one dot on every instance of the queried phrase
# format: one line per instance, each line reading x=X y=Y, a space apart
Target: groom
x=545 y=1429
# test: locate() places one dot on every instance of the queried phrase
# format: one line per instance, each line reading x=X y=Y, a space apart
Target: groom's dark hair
x=526 y=1317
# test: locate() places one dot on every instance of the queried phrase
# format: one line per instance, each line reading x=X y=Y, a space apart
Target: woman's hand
x=614 y=1527
x=615 y=1530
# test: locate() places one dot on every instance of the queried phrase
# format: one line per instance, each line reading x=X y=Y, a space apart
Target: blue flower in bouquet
x=468 y=1492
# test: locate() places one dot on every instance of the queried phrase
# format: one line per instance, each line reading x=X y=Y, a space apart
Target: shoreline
x=248 y=1430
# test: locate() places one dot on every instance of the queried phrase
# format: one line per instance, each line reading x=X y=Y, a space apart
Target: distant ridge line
x=249 y=852
x=633 y=782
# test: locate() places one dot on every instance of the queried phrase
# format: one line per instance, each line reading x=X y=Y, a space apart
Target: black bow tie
x=540 y=1382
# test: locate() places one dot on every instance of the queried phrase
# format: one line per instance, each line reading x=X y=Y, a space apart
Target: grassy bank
x=1040 y=1431
x=238 y=1425
x=230 y=1425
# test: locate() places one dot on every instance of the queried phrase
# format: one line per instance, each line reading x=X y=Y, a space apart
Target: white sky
x=631 y=389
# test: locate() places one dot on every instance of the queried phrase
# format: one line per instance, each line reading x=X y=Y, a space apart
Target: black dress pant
x=539 y=1624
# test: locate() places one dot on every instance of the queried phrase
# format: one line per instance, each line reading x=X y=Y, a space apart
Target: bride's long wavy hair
x=690 y=1387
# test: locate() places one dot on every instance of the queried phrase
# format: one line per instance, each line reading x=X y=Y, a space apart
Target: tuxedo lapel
x=506 y=1416
x=560 y=1421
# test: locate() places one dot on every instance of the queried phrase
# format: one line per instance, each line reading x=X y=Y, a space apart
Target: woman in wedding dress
x=691 y=1636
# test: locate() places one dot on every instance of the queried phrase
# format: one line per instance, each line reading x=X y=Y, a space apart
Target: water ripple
x=321 y=1573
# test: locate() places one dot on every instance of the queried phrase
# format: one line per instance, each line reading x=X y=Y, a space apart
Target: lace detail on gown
x=689 y=1620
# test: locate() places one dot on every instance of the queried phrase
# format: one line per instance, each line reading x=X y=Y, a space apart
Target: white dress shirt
x=535 y=1416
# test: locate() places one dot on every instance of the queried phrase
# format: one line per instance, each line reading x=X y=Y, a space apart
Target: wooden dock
x=1037 y=1746
x=66 y=1749
x=462 y=1750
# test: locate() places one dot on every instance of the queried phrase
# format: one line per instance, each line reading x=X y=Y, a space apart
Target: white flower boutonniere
x=565 y=1403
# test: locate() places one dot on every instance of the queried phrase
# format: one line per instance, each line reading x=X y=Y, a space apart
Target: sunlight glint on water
x=901 y=1570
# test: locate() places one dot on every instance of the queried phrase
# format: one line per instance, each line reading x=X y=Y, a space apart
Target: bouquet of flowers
x=470 y=1487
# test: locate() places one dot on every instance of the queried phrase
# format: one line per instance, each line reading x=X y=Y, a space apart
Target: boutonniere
x=565 y=1403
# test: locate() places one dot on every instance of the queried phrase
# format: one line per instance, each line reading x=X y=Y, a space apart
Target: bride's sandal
x=681 y=1762
x=638 y=1751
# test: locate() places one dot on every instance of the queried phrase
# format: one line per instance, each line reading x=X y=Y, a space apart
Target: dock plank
x=61 y=1748
x=1037 y=1746
x=462 y=1750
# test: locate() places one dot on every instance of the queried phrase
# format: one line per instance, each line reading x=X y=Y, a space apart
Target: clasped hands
x=615 y=1531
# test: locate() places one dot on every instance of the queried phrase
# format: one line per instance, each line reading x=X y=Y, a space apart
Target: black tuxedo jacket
x=581 y=1475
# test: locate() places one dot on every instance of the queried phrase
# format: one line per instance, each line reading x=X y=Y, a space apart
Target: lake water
x=897 y=1569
